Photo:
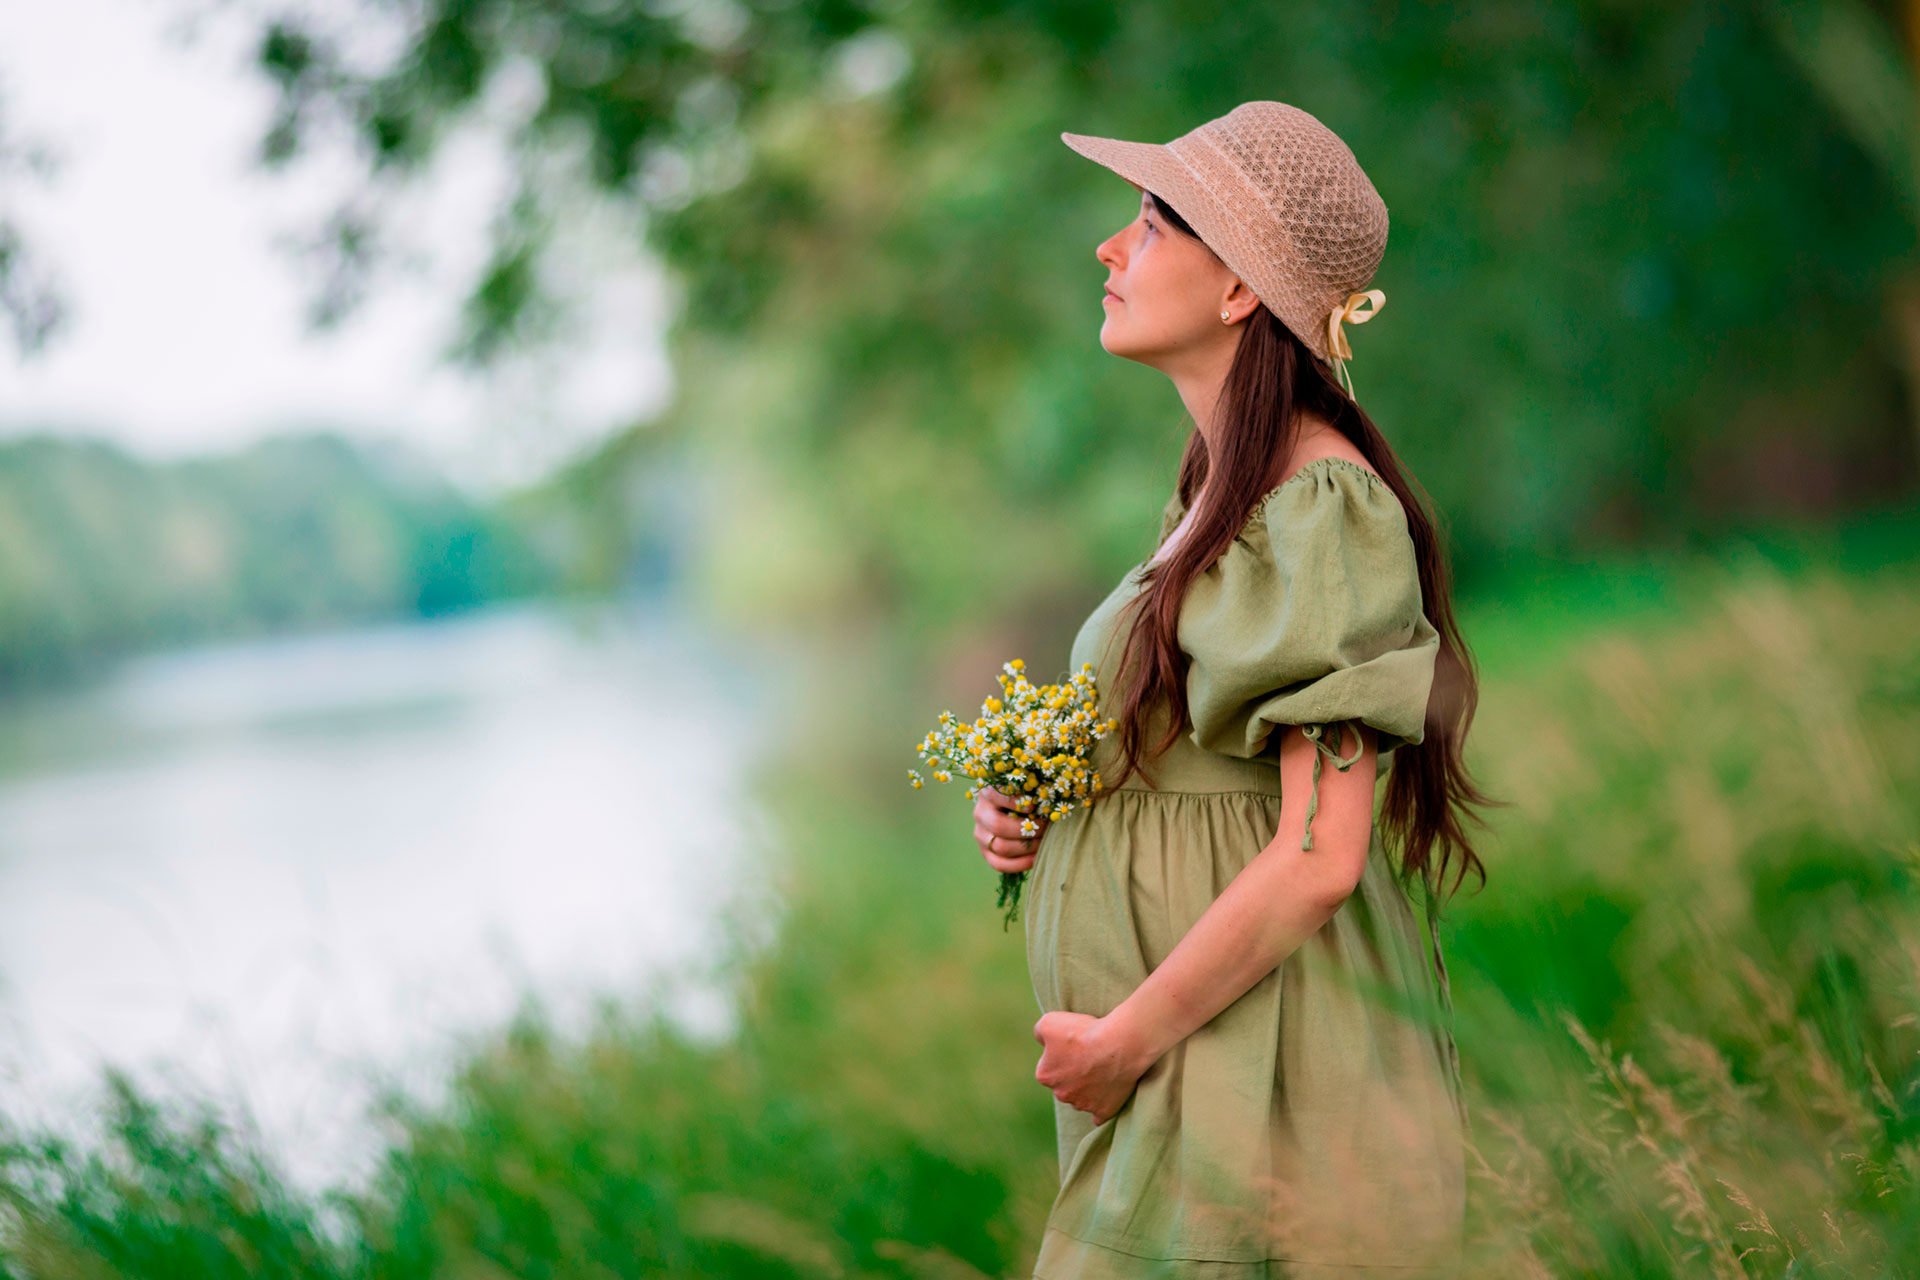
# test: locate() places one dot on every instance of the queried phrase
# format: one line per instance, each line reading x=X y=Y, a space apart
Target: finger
x=1007 y=827
x=1005 y=854
x=1004 y=802
x=999 y=824
x=994 y=850
x=1004 y=862
x=1014 y=846
x=1003 y=842
x=1011 y=823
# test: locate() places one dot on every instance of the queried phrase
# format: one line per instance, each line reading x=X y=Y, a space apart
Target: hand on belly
x=1085 y=1064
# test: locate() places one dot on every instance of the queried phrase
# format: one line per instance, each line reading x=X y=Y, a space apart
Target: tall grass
x=1686 y=1007
x=1690 y=1008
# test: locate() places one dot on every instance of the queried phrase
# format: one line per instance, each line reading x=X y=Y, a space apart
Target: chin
x=1117 y=345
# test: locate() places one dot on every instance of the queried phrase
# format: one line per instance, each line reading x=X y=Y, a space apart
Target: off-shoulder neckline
x=1258 y=514
x=1305 y=467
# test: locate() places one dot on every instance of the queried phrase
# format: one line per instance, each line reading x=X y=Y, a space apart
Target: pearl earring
x=1226 y=317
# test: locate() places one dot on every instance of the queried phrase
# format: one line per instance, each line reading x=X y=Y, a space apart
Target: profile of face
x=1165 y=293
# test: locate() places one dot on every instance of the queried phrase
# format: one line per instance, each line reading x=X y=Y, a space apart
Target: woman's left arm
x=1277 y=901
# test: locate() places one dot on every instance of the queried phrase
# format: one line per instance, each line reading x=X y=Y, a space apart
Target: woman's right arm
x=996 y=826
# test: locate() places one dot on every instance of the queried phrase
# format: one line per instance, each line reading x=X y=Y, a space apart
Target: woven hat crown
x=1280 y=199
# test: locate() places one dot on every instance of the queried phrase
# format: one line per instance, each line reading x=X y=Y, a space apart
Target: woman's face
x=1165 y=292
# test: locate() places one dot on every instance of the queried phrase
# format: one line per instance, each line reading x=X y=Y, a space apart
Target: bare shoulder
x=1320 y=440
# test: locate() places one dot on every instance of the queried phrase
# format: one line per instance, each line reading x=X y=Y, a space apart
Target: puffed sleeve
x=1311 y=617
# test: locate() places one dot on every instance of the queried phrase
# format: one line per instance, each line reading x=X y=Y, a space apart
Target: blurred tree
x=29 y=300
x=104 y=553
x=1636 y=258
x=1854 y=62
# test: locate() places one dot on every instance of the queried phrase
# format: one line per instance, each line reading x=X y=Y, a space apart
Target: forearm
x=1279 y=900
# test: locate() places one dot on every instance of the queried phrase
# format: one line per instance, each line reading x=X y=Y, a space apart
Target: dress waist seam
x=1178 y=792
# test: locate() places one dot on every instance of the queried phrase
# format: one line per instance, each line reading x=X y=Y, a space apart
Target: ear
x=1237 y=300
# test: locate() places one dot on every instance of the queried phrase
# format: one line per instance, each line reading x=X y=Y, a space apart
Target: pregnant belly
x=1118 y=884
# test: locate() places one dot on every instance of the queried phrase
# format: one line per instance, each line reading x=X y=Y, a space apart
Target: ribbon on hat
x=1349 y=312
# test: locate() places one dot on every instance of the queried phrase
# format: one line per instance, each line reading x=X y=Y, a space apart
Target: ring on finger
x=990 y=840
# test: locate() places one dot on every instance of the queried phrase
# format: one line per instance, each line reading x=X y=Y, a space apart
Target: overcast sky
x=185 y=331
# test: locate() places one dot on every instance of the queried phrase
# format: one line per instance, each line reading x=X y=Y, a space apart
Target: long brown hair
x=1274 y=378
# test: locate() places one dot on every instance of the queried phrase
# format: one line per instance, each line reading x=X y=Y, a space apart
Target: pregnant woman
x=1253 y=1066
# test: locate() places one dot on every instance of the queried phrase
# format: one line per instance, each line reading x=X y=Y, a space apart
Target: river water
x=282 y=875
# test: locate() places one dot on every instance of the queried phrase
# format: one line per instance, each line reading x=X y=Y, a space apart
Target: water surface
x=271 y=871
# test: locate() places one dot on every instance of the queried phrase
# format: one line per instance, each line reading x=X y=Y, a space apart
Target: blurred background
x=492 y=492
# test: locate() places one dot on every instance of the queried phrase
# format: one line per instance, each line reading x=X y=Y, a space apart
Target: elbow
x=1336 y=876
x=1337 y=893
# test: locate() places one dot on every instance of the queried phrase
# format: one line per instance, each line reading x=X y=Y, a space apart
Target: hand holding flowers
x=1028 y=753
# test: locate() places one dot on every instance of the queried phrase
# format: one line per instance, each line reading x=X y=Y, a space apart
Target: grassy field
x=1686 y=1003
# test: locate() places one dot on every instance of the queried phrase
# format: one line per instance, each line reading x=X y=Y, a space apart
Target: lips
x=1111 y=294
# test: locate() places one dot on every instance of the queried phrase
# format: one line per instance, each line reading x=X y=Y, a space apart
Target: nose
x=1109 y=251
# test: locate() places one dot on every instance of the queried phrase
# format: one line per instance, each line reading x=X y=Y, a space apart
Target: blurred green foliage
x=102 y=553
x=1688 y=1007
x=1647 y=273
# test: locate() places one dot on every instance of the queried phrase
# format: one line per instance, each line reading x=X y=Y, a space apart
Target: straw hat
x=1282 y=202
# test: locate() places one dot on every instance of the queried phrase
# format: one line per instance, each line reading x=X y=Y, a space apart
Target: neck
x=1200 y=387
x=1201 y=382
x=1203 y=403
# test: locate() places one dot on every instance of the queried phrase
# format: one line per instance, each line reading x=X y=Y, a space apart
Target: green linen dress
x=1314 y=1127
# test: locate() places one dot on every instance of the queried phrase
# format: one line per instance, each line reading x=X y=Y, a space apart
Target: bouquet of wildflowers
x=1031 y=743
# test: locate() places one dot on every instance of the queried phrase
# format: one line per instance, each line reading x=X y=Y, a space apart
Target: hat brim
x=1147 y=165
x=1153 y=166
